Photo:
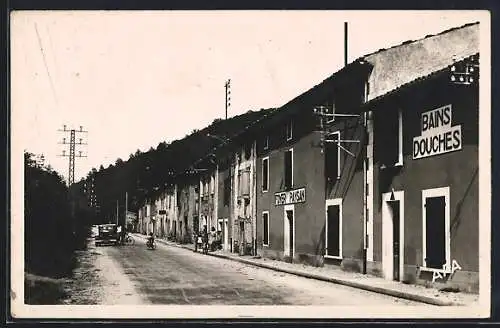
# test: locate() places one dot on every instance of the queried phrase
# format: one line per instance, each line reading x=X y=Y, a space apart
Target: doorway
x=196 y=224
x=220 y=232
x=226 y=235
x=242 y=238
x=179 y=237
x=393 y=235
x=436 y=227
x=333 y=228
x=185 y=231
x=289 y=231
x=394 y=207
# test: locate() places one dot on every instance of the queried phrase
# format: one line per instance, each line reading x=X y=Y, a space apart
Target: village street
x=170 y=275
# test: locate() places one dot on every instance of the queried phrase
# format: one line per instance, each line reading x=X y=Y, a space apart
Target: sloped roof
x=201 y=144
x=412 y=60
x=416 y=81
x=320 y=92
x=389 y=70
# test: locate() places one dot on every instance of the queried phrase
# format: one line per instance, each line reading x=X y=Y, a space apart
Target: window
x=245 y=182
x=265 y=230
x=266 y=143
x=206 y=186
x=333 y=231
x=391 y=138
x=288 y=169
x=265 y=174
x=289 y=130
x=248 y=150
x=436 y=227
x=400 y=137
x=227 y=190
x=332 y=158
x=239 y=183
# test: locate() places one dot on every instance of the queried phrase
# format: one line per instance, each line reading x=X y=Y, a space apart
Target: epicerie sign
x=290 y=197
x=437 y=135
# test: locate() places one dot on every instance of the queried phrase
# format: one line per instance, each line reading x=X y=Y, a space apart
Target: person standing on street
x=205 y=239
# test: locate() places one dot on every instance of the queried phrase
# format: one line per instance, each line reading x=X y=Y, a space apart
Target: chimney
x=345 y=44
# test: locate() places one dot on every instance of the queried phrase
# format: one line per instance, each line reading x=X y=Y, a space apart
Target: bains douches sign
x=437 y=135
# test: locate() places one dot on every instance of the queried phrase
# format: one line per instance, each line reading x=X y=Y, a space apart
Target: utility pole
x=72 y=149
x=227 y=86
x=364 y=152
x=117 y=212
x=126 y=207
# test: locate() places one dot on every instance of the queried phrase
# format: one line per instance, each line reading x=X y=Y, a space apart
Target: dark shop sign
x=437 y=136
x=290 y=197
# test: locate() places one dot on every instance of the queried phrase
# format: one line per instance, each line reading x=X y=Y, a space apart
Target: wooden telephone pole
x=227 y=86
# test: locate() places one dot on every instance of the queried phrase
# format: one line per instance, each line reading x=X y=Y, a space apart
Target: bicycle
x=151 y=244
x=129 y=240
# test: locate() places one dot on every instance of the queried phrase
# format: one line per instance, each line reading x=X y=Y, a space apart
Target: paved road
x=171 y=275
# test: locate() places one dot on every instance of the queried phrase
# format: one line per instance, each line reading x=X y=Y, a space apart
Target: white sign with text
x=290 y=197
x=438 y=136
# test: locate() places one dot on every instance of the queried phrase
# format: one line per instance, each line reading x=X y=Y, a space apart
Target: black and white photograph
x=250 y=164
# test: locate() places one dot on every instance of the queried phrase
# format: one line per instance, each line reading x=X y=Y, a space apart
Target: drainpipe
x=254 y=198
x=216 y=198
x=176 y=211
x=235 y=196
x=365 y=189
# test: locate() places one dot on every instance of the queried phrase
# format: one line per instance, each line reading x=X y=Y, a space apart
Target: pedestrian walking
x=212 y=238
x=205 y=239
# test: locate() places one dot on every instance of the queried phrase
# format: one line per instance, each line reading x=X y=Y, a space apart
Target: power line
x=46 y=66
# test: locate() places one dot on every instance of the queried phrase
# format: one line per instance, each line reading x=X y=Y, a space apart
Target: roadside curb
x=379 y=290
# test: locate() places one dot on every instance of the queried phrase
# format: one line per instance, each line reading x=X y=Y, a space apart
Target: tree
x=46 y=209
x=162 y=146
x=157 y=167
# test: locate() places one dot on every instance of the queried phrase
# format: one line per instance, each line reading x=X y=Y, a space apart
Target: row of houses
x=375 y=170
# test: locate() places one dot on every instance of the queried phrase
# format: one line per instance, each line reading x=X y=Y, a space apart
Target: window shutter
x=331 y=161
x=288 y=169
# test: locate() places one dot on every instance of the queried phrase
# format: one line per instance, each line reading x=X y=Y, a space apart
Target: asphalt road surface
x=171 y=275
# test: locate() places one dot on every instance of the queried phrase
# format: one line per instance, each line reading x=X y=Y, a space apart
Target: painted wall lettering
x=438 y=136
x=454 y=267
x=290 y=197
x=447 y=270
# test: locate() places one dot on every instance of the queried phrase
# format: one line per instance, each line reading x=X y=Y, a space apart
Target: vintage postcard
x=250 y=164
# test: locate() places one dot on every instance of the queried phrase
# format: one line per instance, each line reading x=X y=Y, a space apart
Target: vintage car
x=107 y=234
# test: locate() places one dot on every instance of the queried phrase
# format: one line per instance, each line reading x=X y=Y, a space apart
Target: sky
x=135 y=79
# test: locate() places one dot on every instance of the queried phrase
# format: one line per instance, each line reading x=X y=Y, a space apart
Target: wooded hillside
x=145 y=174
